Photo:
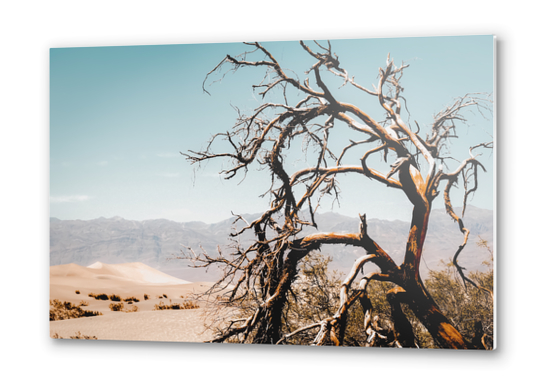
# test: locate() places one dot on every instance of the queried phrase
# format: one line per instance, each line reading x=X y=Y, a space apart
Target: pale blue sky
x=120 y=116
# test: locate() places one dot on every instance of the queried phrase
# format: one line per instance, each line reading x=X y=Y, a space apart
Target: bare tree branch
x=260 y=276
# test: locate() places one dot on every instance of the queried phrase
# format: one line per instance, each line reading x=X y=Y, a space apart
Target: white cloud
x=69 y=199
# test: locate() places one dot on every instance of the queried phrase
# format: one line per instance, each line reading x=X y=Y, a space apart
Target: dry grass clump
x=99 y=296
x=186 y=305
x=116 y=306
x=113 y=297
x=132 y=299
x=78 y=335
x=66 y=310
x=119 y=307
x=190 y=305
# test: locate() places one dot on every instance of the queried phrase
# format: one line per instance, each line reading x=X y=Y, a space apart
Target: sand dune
x=135 y=272
x=128 y=280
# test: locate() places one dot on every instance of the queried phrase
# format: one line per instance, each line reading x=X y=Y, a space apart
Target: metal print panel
x=328 y=193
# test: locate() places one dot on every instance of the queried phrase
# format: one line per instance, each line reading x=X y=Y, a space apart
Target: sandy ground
x=181 y=325
x=128 y=280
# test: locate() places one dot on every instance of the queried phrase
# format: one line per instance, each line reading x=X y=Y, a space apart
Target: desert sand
x=128 y=280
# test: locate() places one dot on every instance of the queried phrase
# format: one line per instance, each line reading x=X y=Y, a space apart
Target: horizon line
x=116 y=217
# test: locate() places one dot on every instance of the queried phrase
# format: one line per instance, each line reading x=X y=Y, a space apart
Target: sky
x=120 y=116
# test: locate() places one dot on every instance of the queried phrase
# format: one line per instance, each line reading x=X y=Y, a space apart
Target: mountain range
x=157 y=243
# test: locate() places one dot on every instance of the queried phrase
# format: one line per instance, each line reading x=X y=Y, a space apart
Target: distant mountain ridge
x=157 y=242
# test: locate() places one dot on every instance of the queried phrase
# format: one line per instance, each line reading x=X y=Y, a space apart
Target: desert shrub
x=165 y=296
x=83 y=303
x=467 y=307
x=66 y=310
x=315 y=294
x=78 y=335
x=132 y=299
x=119 y=307
x=160 y=306
x=189 y=305
x=116 y=306
x=77 y=292
x=114 y=298
x=146 y=297
x=99 y=296
x=186 y=305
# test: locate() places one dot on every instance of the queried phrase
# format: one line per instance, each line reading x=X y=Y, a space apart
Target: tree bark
x=402 y=328
x=438 y=325
x=417 y=297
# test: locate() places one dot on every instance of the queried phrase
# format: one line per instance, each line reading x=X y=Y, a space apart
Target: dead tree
x=263 y=273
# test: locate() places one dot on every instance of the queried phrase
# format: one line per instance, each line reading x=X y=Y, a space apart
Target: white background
x=28 y=29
